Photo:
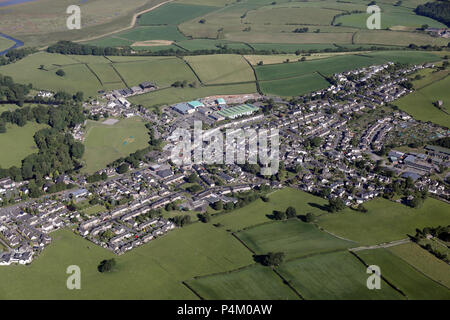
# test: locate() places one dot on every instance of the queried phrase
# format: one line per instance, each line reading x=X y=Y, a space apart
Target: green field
x=152 y=271
x=385 y=221
x=252 y=283
x=256 y=212
x=42 y=22
x=106 y=143
x=420 y=103
x=329 y=66
x=19 y=143
x=220 y=69
x=294 y=86
x=404 y=277
x=391 y=16
x=163 y=72
x=175 y=95
x=331 y=276
x=424 y=262
x=293 y=237
x=5 y=43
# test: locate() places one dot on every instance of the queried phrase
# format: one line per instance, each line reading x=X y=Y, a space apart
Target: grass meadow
x=424 y=262
x=17 y=143
x=419 y=104
x=293 y=237
x=385 y=221
x=153 y=271
x=412 y=283
x=251 y=283
x=332 y=276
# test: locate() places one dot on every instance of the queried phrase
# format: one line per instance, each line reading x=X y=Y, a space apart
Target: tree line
x=439 y=11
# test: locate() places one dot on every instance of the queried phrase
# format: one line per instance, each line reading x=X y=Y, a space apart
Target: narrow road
x=132 y=24
x=381 y=245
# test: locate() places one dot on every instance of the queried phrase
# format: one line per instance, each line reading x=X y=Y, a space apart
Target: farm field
x=294 y=86
x=40 y=22
x=255 y=282
x=293 y=237
x=424 y=262
x=419 y=104
x=385 y=221
x=152 y=271
x=77 y=78
x=106 y=143
x=220 y=69
x=392 y=16
x=19 y=142
x=5 y=43
x=329 y=66
x=337 y=275
x=163 y=72
x=256 y=212
x=174 y=14
x=404 y=277
x=174 y=95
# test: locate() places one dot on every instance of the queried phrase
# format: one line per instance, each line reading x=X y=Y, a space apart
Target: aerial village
x=335 y=143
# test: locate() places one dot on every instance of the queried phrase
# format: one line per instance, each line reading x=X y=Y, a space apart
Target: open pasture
x=175 y=95
x=385 y=221
x=333 y=276
x=419 y=104
x=251 y=283
x=106 y=143
x=257 y=212
x=17 y=143
x=174 y=14
x=293 y=237
x=424 y=262
x=162 y=71
x=153 y=271
x=404 y=277
x=221 y=69
x=294 y=86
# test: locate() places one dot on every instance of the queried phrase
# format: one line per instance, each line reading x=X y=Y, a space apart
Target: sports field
x=153 y=271
x=423 y=261
x=17 y=143
x=106 y=143
x=252 y=283
x=331 y=276
x=404 y=277
x=293 y=237
x=420 y=103
x=385 y=221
